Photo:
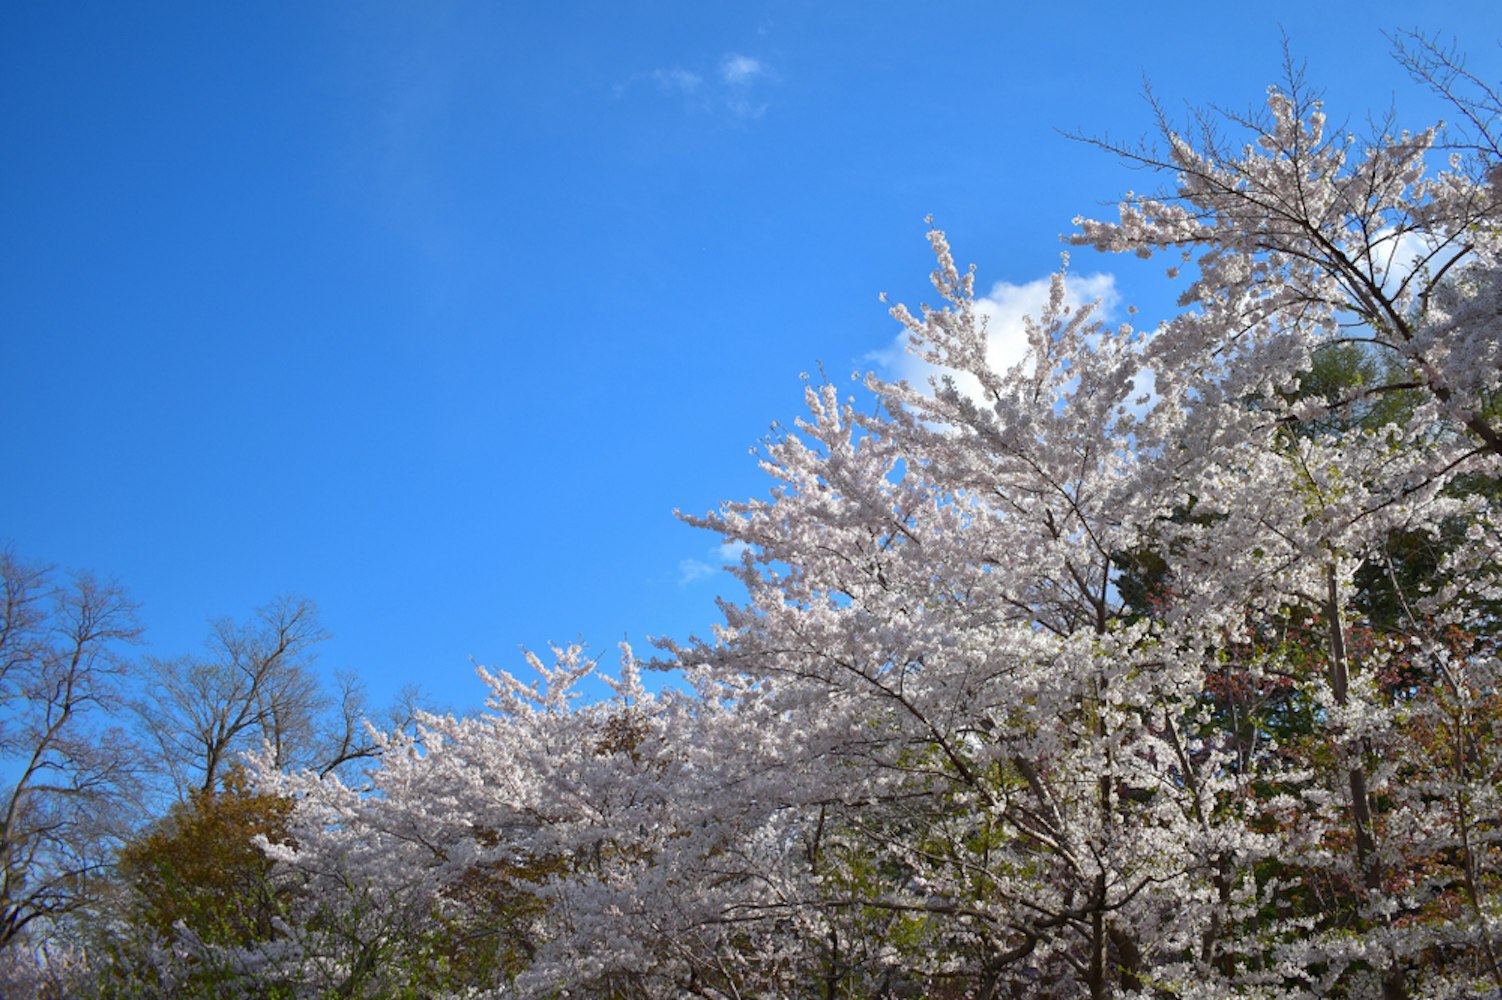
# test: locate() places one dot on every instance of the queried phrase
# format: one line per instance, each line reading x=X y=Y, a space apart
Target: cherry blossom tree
x=1159 y=663
x=1297 y=241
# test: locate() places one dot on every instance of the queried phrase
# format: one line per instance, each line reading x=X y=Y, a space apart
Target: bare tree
x=1478 y=103
x=256 y=686
x=347 y=731
x=66 y=779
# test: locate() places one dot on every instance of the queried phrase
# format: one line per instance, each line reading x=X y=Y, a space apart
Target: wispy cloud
x=746 y=80
x=738 y=86
x=739 y=71
x=677 y=80
x=691 y=570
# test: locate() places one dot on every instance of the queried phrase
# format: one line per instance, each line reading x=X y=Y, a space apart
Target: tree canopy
x=1157 y=664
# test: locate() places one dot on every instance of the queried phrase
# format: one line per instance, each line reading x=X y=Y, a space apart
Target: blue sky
x=434 y=312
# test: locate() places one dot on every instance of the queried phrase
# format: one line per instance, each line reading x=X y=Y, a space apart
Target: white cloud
x=1396 y=256
x=739 y=70
x=1004 y=309
x=691 y=570
x=677 y=80
x=737 y=86
x=730 y=552
x=744 y=79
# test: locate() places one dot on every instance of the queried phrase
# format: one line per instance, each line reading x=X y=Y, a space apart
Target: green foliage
x=203 y=869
